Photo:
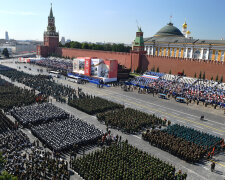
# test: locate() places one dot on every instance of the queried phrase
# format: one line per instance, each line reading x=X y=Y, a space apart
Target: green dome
x=169 y=30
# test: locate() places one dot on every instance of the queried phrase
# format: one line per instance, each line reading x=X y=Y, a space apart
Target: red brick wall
x=123 y=58
x=52 y=42
x=146 y=62
x=190 y=67
x=42 y=51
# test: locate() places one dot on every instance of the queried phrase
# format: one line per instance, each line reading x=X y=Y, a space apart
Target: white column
x=191 y=54
x=207 y=54
x=186 y=53
x=201 y=54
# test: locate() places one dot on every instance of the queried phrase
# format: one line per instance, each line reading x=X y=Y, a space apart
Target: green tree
x=104 y=47
x=203 y=77
x=157 y=70
x=200 y=75
x=153 y=69
x=85 y=46
x=217 y=77
x=183 y=72
x=5 y=52
x=107 y=47
x=195 y=75
x=6 y=176
x=221 y=79
x=60 y=45
x=212 y=78
x=170 y=72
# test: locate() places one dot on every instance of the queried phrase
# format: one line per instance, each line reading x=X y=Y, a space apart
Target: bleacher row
x=190 y=88
x=181 y=79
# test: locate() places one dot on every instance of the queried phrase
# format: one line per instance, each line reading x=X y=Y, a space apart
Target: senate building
x=169 y=41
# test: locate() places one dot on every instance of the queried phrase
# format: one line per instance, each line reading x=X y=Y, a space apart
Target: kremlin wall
x=146 y=62
x=139 y=57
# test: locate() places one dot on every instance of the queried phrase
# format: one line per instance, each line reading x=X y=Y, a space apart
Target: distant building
x=99 y=43
x=63 y=41
x=6 y=36
x=15 y=47
x=68 y=40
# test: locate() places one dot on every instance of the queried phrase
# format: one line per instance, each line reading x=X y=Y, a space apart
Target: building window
x=189 y=53
x=171 y=50
x=204 y=54
x=175 y=51
x=179 y=55
x=197 y=54
x=216 y=55
x=210 y=54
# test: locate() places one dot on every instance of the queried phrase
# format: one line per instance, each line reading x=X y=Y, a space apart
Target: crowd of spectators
x=198 y=91
x=55 y=63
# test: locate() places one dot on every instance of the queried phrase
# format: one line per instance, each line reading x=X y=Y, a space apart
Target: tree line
x=103 y=47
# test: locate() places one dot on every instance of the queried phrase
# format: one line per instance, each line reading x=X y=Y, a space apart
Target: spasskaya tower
x=51 y=37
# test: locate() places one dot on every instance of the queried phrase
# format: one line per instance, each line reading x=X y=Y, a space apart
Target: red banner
x=87 y=67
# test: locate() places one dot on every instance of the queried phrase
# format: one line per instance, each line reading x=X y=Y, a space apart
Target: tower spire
x=51 y=13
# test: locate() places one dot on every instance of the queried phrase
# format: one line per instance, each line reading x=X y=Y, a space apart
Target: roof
x=139 y=29
x=139 y=41
x=51 y=13
x=174 y=39
x=169 y=30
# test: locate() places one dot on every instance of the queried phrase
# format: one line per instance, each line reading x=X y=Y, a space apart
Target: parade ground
x=179 y=113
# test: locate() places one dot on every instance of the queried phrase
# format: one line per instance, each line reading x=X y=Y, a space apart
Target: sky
x=110 y=20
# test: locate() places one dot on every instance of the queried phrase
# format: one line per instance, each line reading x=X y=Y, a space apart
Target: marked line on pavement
x=217 y=163
x=198 y=127
x=170 y=114
x=173 y=110
x=217 y=133
x=137 y=136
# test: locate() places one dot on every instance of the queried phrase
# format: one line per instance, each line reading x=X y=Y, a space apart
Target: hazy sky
x=110 y=20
